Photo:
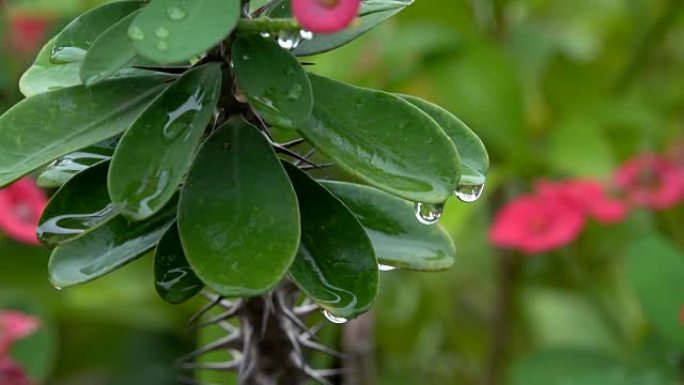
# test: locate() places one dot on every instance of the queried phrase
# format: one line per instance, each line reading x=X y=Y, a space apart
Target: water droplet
x=162 y=45
x=58 y=287
x=179 y=121
x=136 y=33
x=294 y=93
x=334 y=319
x=382 y=267
x=246 y=57
x=266 y=35
x=306 y=35
x=162 y=33
x=62 y=55
x=469 y=192
x=175 y=13
x=429 y=214
x=288 y=40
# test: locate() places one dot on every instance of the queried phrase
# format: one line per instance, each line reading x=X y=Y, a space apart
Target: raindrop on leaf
x=429 y=214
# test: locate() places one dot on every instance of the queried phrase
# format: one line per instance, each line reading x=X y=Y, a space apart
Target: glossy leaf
x=76 y=38
x=47 y=126
x=44 y=75
x=174 y=279
x=169 y=31
x=383 y=140
x=656 y=270
x=473 y=154
x=273 y=80
x=371 y=14
x=238 y=217
x=80 y=206
x=107 y=248
x=398 y=238
x=57 y=173
x=109 y=53
x=335 y=265
x=154 y=154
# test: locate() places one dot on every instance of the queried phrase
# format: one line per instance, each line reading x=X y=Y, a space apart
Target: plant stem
x=358 y=341
x=268 y=25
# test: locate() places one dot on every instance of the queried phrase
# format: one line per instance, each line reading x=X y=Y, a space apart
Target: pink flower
x=21 y=205
x=13 y=327
x=325 y=16
x=12 y=374
x=651 y=181
x=587 y=196
x=536 y=224
x=27 y=32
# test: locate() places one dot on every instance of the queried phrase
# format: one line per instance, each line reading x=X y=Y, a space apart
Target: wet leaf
x=154 y=154
x=335 y=265
x=50 y=125
x=174 y=279
x=44 y=76
x=398 y=238
x=57 y=173
x=77 y=208
x=473 y=154
x=170 y=31
x=238 y=216
x=383 y=140
x=273 y=80
x=107 y=248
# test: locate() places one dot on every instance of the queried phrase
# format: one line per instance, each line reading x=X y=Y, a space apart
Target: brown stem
x=358 y=343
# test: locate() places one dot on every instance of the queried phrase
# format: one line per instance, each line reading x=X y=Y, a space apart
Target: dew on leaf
x=469 y=192
x=429 y=214
x=382 y=267
x=136 y=33
x=162 y=32
x=334 y=319
x=176 y=14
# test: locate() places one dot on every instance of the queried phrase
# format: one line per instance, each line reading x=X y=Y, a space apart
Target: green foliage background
x=555 y=89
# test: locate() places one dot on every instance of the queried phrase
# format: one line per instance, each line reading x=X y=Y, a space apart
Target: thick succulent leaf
x=80 y=206
x=44 y=75
x=170 y=31
x=50 y=125
x=174 y=279
x=238 y=216
x=154 y=154
x=335 y=265
x=273 y=80
x=107 y=248
x=383 y=140
x=76 y=38
x=656 y=269
x=109 y=53
x=474 y=157
x=398 y=238
x=372 y=13
x=57 y=173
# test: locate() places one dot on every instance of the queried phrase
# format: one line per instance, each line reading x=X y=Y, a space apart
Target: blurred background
x=583 y=90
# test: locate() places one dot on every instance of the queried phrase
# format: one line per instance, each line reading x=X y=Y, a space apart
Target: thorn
x=306 y=157
x=317 y=167
x=322 y=348
x=230 y=342
x=333 y=372
x=293 y=143
x=292 y=317
x=230 y=313
x=313 y=374
x=205 y=309
x=305 y=309
x=312 y=332
x=225 y=325
x=300 y=159
x=218 y=366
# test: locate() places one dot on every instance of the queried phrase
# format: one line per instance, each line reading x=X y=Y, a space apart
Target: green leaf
x=170 y=31
x=371 y=14
x=44 y=75
x=656 y=269
x=77 y=208
x=107 y=248
x=109 y=53
x=473 y=154
x=57 y=173
x=175 y=280
x=74 y=41
x=335 y=265
x=238 y=216
x=154 y=154
x=398 y=238
x=383 y=140
x=50 y=125
x=273 y=80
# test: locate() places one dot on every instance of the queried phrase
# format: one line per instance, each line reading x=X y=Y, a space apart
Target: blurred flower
x=325 y=16
x=651 y=181
x=27 y=33
x=21 y=205
x=536 y=224
x=12 y=374
x=587 y=196
x=14 y=326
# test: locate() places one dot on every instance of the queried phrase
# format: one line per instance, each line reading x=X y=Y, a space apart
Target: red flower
x=21 y=205
x=325 y=16
x=12 y=374
x=13 y=327
x=27 y=32
x=587 y=196
x=651 y=181
x=536 y=224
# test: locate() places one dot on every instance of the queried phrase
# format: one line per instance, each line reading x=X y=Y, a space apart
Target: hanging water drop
x=382 y=267
x=334 y=319
x=136 y=33
x=175 y=13
x=162 y=32
x=469 y=192
x=306 y=35
x=58 y=288
x=288 y=40
x=428 y=213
